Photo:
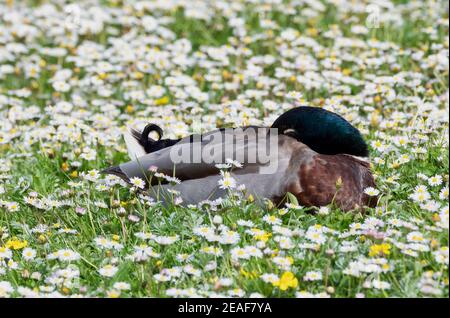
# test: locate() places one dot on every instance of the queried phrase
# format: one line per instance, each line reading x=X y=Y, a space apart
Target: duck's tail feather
x=139 y=143
x=142 y=144
x=134 y=146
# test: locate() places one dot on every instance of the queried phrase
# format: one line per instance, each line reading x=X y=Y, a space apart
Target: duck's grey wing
x=196 y=156
x=261 y=184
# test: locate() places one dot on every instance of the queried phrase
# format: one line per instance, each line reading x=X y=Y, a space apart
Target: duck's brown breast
x=341 y=179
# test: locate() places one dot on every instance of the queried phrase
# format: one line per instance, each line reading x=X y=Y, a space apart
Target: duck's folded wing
x=260 y=186
x=196 y=156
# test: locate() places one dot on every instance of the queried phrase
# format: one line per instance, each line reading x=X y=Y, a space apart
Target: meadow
x=73 y=75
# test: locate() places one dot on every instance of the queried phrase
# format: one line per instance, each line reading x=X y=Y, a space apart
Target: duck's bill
x=115 y=171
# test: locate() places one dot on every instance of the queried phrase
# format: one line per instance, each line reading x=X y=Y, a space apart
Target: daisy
x=271 y=219
x=61 y=86
x=108 y=270
x=91 y=175
x=166 y=240
x=371 y=191
x=5 y=289
x=28 y=254
x=312 y=276
x=435 y=180
x=234 y=163
x=12 y=206
x=324 y=210
x=121 y=286
x=239 y=253
x=269 y=278
x=5 y=253
x=137 y=182
x=227 y=182
x=283 y=262
x=229 y=237
x=443 y=194
x=378 y=284
x=66 y=255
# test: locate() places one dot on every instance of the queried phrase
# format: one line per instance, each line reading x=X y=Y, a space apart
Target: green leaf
x=292 y=199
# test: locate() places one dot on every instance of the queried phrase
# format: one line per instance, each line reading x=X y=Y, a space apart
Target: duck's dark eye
x=291 y=133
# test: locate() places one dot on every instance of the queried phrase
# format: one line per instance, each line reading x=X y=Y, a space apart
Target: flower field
x=74 y=75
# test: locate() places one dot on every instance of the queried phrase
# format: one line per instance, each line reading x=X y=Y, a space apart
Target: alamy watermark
x=251 y=145
x=373 y=18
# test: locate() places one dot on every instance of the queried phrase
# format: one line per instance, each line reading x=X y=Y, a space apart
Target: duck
x=319 y=158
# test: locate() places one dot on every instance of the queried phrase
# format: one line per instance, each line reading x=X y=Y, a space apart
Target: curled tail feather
x=139 y=144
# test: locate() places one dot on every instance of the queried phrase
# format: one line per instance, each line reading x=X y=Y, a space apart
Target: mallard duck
x=320 y=159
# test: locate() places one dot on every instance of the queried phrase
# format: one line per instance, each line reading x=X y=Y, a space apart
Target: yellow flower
x=263 y=236
x=380 y=249
x=65 y=290
x=346 y=71
x=375 y=119
x=65 y=166
x=16 y=244
x=244 y=273
x=436 y=217
x=162 y=101
x=138 y=75
x=227 y=75
x=129 y=109
x=312 y=32
x=113 y=293
x=434 y=243
x=269 y=205
x=42 y=239
x=287 y=280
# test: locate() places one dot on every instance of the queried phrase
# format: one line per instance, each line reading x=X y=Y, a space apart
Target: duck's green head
x=323 y=131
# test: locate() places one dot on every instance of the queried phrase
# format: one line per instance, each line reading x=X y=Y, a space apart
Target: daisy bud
x=217 y=219
x=134 y=218
x=36 y=275
x=153 y=169
x=121 y=211
x=330 y=252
